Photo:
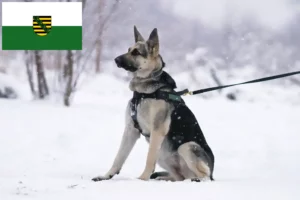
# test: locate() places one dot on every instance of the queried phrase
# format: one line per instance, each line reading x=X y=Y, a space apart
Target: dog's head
x=143 y=57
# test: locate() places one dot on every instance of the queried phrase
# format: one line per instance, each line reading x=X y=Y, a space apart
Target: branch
x=101 y=30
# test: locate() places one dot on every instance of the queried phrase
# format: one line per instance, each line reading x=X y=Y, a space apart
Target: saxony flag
x=41 y=26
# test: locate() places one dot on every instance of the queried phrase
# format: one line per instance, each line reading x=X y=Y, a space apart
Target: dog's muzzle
x=121 y=63
x=118 y=61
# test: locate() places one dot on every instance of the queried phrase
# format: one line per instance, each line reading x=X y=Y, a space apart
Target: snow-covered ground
x=51 y=152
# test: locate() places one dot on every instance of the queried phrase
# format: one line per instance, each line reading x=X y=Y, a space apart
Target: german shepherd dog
x=175 y=139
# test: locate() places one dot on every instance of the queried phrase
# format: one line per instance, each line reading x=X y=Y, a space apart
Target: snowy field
x=51 y=152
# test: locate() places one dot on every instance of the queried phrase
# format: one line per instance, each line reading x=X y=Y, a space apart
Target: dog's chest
x=152 y=113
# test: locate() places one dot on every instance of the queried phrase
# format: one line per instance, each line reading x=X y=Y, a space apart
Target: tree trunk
x=45 y=85
x=69 y=76
x=30 y=72
x=42 y=83
x=98 y=55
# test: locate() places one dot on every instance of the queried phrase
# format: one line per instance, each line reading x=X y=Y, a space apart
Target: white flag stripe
x=21 y=13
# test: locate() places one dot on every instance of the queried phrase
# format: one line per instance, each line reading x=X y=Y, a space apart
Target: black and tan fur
x=176 y=143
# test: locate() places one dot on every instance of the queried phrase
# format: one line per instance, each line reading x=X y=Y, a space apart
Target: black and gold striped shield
x=41 y=25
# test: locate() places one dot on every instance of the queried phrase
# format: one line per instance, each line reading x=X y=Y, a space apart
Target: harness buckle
x=188 y=93
x=184 y=92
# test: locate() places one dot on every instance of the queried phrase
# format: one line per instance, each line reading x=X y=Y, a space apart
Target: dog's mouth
x=125 y=65
x=130 y=68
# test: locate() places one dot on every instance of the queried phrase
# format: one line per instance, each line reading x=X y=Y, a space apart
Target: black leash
x=187 y=92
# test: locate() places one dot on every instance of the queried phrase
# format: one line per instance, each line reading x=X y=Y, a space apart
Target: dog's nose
x=118 y=61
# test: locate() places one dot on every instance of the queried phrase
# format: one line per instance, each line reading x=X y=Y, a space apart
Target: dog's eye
x=135 y=52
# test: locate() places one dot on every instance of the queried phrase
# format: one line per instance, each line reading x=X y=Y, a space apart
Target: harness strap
x=133 y=105
x=171 y=97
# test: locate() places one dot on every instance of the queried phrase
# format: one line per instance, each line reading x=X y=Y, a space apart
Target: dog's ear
x=153 y=43
x=137 y=36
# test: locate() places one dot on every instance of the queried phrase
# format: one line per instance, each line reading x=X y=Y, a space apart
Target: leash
x=187 y=92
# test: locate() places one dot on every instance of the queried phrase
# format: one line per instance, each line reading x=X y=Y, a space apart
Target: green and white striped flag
x=41 y=25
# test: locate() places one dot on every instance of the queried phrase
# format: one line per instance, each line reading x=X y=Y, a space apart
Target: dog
x=175 y=139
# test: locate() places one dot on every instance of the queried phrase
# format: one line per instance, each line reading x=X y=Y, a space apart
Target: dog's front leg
x=129 y=139
x=156 y=139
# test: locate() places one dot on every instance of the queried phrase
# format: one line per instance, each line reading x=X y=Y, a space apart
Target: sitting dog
x=157 y=112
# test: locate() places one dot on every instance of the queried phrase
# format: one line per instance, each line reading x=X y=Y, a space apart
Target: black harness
x=171 y=97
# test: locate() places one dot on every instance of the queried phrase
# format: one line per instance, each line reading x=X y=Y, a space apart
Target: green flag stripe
x=24 y=38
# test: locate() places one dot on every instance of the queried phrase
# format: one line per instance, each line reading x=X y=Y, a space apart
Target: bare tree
x=68 y=72
x=98 y=55
x=69 y=77
x=74 y=68
x=99 y=42
x=29 y=71
x=101 y=26
x=43 y=90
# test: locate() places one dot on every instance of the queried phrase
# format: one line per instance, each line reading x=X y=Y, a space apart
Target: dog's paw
x=101 y=178
x=196 y=180
x=144 y=178
x=204 y=179
x=165 y=178
x=154 y=175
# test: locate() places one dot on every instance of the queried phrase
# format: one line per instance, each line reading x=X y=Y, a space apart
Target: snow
x=48 y=151
x=16 y=85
